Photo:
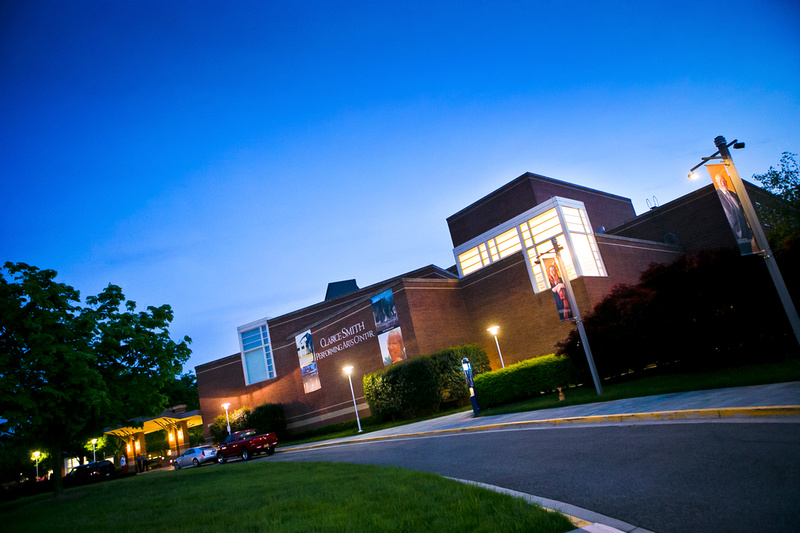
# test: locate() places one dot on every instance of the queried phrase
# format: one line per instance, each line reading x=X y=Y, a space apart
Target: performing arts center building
x=505 y=275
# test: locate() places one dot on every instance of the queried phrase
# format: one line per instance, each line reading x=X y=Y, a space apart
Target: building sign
x=733 y=209
x=346 y=337
x=308 y=362
x=387 y=325
x=558 y=289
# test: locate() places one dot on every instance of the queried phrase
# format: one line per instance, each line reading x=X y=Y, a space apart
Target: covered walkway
x=176 y=421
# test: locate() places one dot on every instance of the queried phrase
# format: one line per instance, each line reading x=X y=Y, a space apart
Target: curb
x=584 y=520
x=690 y=414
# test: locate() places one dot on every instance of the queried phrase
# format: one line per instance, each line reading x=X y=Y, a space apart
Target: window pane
x=584 y=255
x=508 y=242
x=545 y=226
x=255 y=366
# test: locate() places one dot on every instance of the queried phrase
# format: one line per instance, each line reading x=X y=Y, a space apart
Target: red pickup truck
x=245 y=444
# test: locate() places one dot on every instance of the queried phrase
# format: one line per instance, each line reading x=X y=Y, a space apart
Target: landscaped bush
x=523 y=380
x=423 y=382
x=219 y=428
x=265 y=418
x=713 y=309
x=268 y=418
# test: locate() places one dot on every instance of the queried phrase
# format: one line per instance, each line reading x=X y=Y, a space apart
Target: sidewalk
x=776 y=400
x=779 y=399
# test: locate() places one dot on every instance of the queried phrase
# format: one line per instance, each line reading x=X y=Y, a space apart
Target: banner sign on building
x=558 y=288
x=387 y=325
x=729 y=199
x=308 y=363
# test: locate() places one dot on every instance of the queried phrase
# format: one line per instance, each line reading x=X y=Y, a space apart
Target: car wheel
x=176 y=466
x=196 y=463
x=270 y=450
x=245 y=454
x=221 y=459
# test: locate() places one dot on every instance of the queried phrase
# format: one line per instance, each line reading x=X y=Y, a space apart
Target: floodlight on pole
x=493 y=330
x=349 y=370
x=94 y=447
x=228 y=418
x=758 y=233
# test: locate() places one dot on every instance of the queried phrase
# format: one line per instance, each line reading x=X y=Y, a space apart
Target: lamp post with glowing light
x=493 y=330
x=225 y=406
x=752 y=219
x=349 y=370
x=36 y=456
x=94 y=447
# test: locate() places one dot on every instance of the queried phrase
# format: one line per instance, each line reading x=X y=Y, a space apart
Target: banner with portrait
x=557 y=286
x=729 y=198
x=308 y=363
x=387 y=325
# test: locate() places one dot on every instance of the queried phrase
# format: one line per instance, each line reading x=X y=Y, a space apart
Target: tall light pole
x=36 y=456
x=349 y=370
x=758 y=233
x=225 y=406
x=493 y=330
x=573 y=304
x=94 y=455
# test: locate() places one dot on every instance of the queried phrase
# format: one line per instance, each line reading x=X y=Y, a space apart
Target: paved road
x=740 y=472
x=664 y=477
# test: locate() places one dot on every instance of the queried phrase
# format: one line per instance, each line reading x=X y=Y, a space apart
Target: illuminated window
x=532 y=231
x=257 y=361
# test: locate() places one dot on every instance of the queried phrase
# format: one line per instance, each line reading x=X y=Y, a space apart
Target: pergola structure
x=175 y=421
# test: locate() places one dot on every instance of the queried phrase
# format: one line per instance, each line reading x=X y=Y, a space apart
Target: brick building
x=503 y=249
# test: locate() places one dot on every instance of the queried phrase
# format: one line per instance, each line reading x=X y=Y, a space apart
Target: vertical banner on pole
x=734 y=212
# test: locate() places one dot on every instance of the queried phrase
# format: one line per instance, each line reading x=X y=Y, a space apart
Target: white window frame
x=486 y=242
x=269 y=360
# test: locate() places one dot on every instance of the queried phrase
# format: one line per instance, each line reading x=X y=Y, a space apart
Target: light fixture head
x=738 y=146
x=348 y=370
x=694 y=176
x=493 y=330
x=225 y=406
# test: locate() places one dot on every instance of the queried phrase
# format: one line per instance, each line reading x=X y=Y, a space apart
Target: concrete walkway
x=779 y=399
x=776 y=400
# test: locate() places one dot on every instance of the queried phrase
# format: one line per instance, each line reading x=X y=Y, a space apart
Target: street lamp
x=94 y=455
x=752 y=219
x=349 y=370
x=573 y=303
x=493 y=330
x=225 y=406
x=36 y=456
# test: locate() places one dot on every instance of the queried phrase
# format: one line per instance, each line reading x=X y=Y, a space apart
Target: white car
x=195 y=457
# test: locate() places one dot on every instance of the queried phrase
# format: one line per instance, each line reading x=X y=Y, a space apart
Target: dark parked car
x=96 y=471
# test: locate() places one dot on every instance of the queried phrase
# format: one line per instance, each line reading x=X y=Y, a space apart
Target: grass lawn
x=270 y=496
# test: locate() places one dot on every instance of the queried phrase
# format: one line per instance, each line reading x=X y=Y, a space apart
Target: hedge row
x=523 y=380
x=423 y=382
x=265 y=418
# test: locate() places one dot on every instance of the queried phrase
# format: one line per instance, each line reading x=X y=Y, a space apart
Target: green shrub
x=423 y=382
x=447 y=363
x=523 y=380
x=219 y=428
x=268 y=418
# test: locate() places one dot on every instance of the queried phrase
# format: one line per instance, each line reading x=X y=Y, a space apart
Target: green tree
x=782 y=219
x=183 y=390
x=67 y=371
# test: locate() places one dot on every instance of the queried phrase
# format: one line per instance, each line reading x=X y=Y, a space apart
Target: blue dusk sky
x=232 y=158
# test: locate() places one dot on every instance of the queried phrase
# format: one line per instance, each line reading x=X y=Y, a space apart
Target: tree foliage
x=68 y=370
x=782 y=219
x=707 y=310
